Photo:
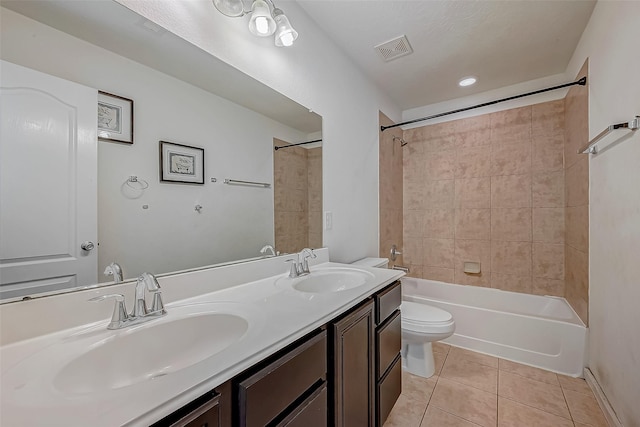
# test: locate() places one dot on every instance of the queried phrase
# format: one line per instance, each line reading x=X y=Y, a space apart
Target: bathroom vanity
x=241 y=345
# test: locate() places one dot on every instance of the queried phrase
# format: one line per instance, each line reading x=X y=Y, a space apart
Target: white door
x=48 y=182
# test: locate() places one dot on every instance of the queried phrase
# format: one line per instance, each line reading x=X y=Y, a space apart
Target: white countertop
x=277 y=316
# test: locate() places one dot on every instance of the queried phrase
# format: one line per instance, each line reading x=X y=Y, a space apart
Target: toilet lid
x=421 y=313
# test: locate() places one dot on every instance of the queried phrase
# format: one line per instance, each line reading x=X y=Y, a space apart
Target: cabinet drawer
x=207 y=415
x=312 y=412
x=387 y=301
x=388 y=342
x=268 y=392
x=388 y=391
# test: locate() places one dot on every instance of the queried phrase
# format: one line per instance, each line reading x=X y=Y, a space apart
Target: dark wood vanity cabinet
x=210 y=410
x=364 y=361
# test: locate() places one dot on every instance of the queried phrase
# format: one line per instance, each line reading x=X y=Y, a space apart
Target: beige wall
x=576 y=175
x=390 y=190
x=297 y=198
x=488 y=189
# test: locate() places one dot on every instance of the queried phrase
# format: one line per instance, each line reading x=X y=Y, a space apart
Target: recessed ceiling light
x=467 y=81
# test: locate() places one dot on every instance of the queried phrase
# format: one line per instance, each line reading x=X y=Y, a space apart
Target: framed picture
x=115 y=118
x=181 y=163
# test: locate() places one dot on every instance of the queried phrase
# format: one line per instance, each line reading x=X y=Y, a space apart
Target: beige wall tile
x=547 y=153
x=438 y=194
x=473 y=124
x=577 y=272
x=512 y=224
x=474 y=138
x=412 y=250
x=578 y=301
x=477 y=406
x=412 y=224
x=548 y=260
x=440 y=143
x=548 y=190
x=542 y=286
x=474 y=251
x=508 y=282
x=473 y=193
x=415 y=270
x=578 y=227
x=543 y=396
x=513 y=191
x=577 y=177
x=438 y=253
x=576 y=109
x=515 y=414
x=438 y=273
x=511 y=159
x=511 y=258
x=547 y=118
x=413 y=195
x=438 y=223
x=548 y=225
x=473 y=162
x=511 y=125
x=439 y=165
x=472 y=224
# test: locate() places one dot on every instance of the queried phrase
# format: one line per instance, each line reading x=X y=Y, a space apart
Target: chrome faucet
x=269 y=248
x=140 y=314
x=114 y=270
x=300 y=266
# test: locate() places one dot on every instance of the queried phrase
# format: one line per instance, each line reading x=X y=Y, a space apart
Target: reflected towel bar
x=591 y=148
x=249 y=183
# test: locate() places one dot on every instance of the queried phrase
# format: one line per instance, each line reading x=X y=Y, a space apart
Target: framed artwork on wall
x=181 y=163
x=115 y=118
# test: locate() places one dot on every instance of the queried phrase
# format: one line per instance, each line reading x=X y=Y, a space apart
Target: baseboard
x=603 y=402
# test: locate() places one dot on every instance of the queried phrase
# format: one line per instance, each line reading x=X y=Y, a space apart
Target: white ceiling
x=500 y=42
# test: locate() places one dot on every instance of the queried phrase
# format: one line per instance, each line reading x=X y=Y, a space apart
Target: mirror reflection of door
x=297 y=197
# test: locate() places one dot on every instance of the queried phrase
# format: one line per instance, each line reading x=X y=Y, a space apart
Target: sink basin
x=151 y=350
x=330 y=280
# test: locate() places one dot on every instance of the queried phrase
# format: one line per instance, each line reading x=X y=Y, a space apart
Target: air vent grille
x=393 y=49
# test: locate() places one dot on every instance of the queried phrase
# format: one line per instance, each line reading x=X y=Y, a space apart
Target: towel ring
x=133 y=178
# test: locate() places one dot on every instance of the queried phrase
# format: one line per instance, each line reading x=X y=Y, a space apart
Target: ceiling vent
x=394 y=49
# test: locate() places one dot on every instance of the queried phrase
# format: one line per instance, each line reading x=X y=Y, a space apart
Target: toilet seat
x=425 y=319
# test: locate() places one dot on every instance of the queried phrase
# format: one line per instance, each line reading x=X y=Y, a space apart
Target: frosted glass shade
x=232 y=8
x=285 y=34
x=261 y=23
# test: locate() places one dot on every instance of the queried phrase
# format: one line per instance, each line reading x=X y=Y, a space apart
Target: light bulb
x=467 y=81
x=287 y=39
x=262 y=25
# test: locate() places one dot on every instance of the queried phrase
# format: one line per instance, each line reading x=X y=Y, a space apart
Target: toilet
x=421 y=325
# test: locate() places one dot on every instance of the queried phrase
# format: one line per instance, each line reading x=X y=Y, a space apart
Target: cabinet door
x=353 y=368
x=207 y=415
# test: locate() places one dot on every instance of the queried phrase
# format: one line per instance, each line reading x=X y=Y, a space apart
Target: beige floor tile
x=546 y=397
x=466 y=402
x=472 y=356
x=575 y=384
x=440 y=347
x=416 y=387
x=435 y=417
x=529 y=372
x=471 y=373
x=407 y=412
x=439 y=359
x=514 y=414
x=584 y=409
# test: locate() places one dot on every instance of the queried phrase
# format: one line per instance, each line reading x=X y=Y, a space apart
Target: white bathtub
x=540 y=331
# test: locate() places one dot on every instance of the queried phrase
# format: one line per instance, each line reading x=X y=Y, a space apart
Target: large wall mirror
x=182 y=95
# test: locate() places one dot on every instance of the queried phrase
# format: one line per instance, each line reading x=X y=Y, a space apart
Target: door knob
x=87 y=246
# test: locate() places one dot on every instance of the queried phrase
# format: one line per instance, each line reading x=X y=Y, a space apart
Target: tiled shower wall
x=297 y=198
x=488 y=189
x=577 y=198
x=390 y=192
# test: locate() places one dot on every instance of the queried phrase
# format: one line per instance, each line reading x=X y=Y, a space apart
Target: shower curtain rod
x=581 y=82
x=294 y=145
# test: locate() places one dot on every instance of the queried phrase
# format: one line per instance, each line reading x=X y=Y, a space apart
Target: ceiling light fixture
x=467 y=81
x=266 y=19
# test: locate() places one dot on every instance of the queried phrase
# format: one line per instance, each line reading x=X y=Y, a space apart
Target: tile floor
x=471 y=389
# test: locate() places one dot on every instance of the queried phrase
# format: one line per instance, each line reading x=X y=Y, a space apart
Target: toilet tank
x=372 y=262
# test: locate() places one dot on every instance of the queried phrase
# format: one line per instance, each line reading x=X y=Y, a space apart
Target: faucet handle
x=119 y=316
x=306 y=253
x=157 y=307
x=293 y=272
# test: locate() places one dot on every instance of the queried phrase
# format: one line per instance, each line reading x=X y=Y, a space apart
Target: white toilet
x=421 y=325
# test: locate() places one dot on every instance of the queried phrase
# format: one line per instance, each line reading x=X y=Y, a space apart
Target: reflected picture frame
x=115 y=118
x=181 y=163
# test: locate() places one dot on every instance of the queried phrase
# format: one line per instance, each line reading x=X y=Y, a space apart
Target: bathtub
x=540 y=331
